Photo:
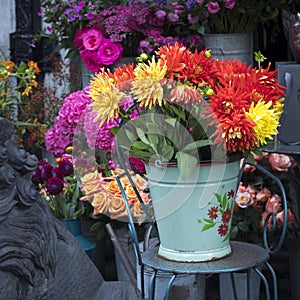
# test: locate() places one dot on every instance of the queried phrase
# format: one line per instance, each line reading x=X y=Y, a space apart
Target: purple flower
x=46 y=170
x=230 y=4
x=173 y=17
x=213 y=7
x=109 y=52
x=56 y=172
x=160 y=14
x=54 y=185
x=66 y=166
x=193 y=20
x=81 y=4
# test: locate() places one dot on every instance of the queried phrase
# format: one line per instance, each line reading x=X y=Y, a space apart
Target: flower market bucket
x=193 y=215
x=237 y=46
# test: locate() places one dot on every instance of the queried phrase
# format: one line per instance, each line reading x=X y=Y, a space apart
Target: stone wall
x=8 y=24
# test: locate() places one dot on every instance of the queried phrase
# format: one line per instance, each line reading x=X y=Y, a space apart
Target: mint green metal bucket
x=194 y=215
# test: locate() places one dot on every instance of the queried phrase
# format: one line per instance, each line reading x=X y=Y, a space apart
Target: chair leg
x=123 y=256
x=274 y=279
x=169 y=286
x=265 y=281
x=152 y=285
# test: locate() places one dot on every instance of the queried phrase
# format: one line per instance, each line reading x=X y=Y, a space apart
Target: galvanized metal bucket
x=237 y=46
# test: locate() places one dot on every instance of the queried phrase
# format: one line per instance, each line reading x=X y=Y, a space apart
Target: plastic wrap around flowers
x=187 y=103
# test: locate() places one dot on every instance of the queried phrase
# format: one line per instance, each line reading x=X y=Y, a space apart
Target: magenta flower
x=230 y=4
x=78 y=39
x=109 y=52
x=92 y=39
x=213 y=7
x=90 y=59
x=61 y=134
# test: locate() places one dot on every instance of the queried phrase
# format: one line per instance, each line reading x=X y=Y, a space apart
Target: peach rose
x=117 y=208
x=130 y=193
x=290 y=217
x=100 y=203
x=274 y=204
x=137 y=209
x=281 y=162
x=113 y=188
x=263 y=195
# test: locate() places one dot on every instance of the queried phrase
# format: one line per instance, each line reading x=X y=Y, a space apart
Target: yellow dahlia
x=266 y=119
x=106 y=97
x=147 y=87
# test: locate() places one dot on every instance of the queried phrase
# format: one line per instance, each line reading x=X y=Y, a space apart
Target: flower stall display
x=194 y=118
x=257 y=197
x=104 y=32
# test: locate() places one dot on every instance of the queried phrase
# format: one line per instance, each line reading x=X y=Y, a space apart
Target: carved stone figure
x=39 y=258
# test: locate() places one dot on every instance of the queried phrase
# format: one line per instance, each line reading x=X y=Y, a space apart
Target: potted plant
x=181 y=110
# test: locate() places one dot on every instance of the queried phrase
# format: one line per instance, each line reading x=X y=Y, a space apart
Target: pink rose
x=274 y=204
x=78 y=39
x=243 y=199
x=281 y=162
x=229 y=4
x=92 y=39
x=263 y=195
x=290 y=217
x=109 y=52
x=213 y=7
x=90 y=59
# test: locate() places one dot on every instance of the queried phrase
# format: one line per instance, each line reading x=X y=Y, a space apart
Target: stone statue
x=39 y=258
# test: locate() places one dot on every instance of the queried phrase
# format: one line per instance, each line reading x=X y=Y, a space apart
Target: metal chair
x=244 y=257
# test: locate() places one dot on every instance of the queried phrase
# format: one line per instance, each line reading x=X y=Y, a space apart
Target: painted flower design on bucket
x=219 y=214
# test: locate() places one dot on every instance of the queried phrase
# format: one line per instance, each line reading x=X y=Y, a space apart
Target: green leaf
x=186 y=164
x=208 y=226
x=197 y=144
x=140 y=145
x=167 y=152
x=179 y=112
x=208 y=220
x=142 y=136
x=114 y=130
x=172 y=122
x=153 y=140
x=242 y=227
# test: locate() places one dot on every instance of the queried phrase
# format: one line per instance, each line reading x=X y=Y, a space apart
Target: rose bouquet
x=188 y=107
x=104 y=194
x=258 y=196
